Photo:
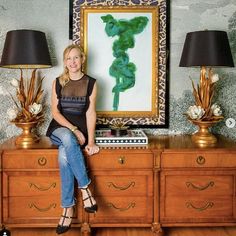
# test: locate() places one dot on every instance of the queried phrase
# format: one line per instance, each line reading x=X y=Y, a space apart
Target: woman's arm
x=91 y=116
x=61 y=119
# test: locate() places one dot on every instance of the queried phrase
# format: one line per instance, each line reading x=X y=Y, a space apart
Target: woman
x=73 y=128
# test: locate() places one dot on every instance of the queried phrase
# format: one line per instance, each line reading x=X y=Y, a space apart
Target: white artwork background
x=100 y=58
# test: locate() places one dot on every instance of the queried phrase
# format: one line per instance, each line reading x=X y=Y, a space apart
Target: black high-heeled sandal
x=93 y=208
x=61 y=228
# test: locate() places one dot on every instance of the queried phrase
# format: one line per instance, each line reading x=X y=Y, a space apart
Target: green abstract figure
x=122 y=69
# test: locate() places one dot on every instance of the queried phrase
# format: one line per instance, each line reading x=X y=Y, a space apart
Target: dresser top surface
x=184 y=142
x=161 y=142
x=44 y=143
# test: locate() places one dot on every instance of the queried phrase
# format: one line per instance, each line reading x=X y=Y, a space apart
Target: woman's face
x=74 y=60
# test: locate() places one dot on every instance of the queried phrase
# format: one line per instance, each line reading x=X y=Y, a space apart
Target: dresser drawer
x=31 y=184
x=123 y=183
x=35 y=210
x=120 y=160
x=123 y=210
x=197 y=209
x=198 y=159
x=31 y=207
x=30 y=159
x=202 y=183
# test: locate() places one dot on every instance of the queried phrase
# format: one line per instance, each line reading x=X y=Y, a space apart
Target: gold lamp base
x=203 y=137
x=28 y=137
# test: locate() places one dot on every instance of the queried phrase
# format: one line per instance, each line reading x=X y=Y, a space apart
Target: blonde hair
x=64 y=77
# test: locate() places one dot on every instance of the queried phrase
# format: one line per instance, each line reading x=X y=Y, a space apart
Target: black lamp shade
x=206 y=48
x=25 y=49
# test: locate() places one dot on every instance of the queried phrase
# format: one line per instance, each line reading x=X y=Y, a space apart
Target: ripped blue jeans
x=71 y=163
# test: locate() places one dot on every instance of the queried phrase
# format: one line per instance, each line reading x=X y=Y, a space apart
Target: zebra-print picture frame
x=155 y=114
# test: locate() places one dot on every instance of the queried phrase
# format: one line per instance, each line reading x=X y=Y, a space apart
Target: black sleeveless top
x=73 y=103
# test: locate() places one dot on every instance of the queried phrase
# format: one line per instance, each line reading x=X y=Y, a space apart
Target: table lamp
x=207 y=49
x=27 y=49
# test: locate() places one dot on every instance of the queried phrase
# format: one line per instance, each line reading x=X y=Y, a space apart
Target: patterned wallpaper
x=185 y=16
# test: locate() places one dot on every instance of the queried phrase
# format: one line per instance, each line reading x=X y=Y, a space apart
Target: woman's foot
x=90 y=204
x=65 y=220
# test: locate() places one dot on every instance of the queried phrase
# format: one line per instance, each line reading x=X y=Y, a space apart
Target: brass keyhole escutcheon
x=121 y=160
x=200 y=160
x=42 y=161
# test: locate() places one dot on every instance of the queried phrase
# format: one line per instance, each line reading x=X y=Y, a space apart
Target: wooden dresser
x=198 y=185
x=168 y=183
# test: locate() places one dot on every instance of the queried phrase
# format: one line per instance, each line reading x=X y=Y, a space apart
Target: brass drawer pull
x=42 y=161
x=200 y=188
x=53 y=205
x=200 y=160
x=131 y=205
x=208 y=205
x=53 y=185
x=110 y=184
x=121 y=160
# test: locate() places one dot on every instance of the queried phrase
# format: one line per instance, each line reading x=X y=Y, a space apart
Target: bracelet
x=74 y=129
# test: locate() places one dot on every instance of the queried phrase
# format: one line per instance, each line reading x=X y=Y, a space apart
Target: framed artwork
x=125 y=45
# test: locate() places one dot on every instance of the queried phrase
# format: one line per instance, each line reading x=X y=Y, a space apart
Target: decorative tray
x=133 y=137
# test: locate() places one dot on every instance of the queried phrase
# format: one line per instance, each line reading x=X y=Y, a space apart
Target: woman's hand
x=79 y=135
x=91 y=149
